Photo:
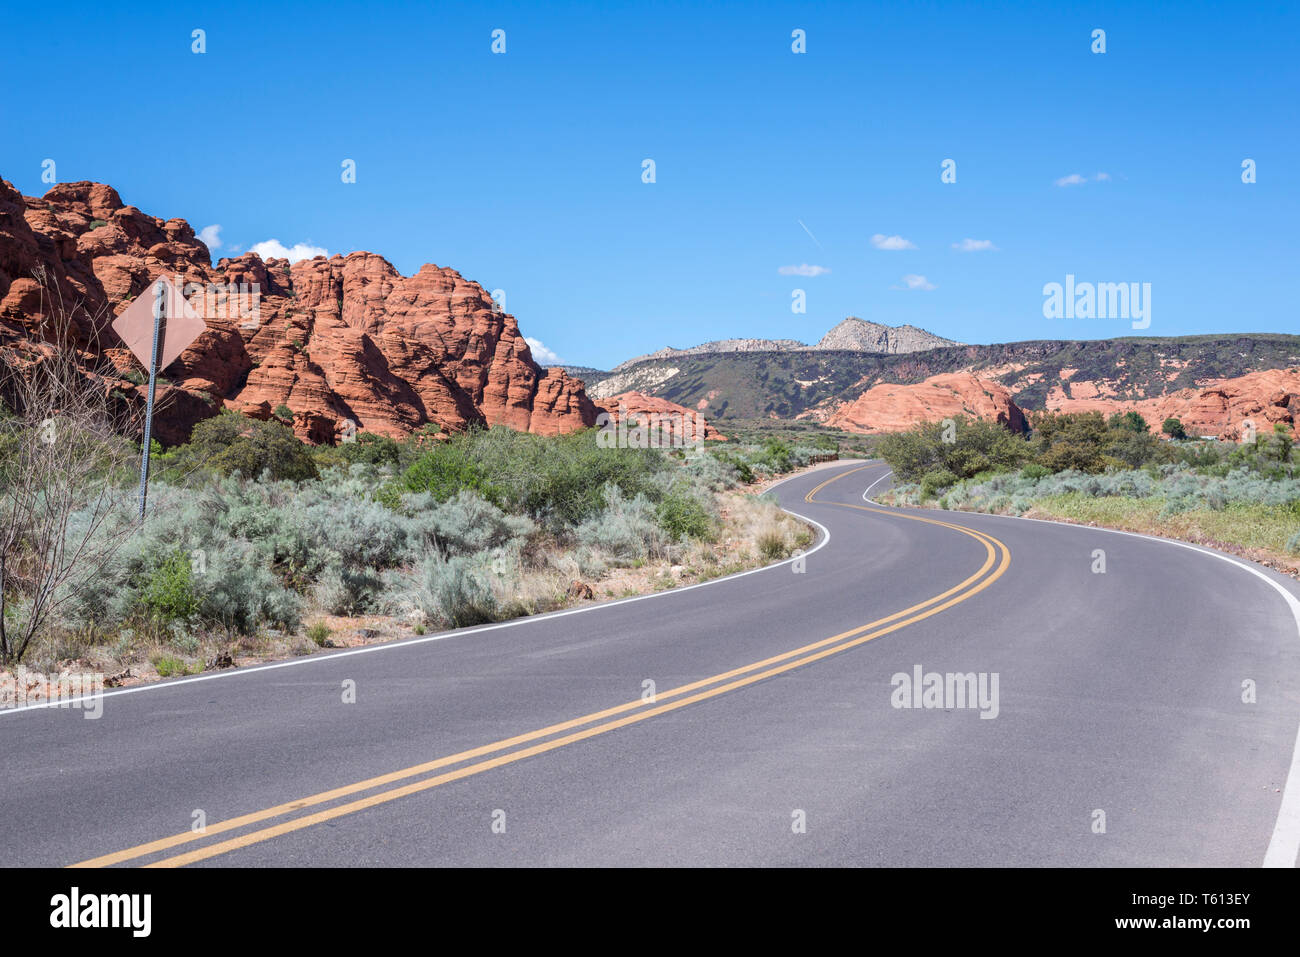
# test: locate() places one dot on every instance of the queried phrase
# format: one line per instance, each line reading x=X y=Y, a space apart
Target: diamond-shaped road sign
x=181 y=324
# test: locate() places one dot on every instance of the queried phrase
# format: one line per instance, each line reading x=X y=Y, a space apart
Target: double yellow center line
x=510 y=750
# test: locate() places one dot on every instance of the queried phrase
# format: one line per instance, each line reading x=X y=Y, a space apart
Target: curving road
x=1118 y=734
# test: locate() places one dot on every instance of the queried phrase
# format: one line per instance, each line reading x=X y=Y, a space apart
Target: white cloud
x=913 y=281
x=975 y=246
x=1077 y=179
x=540 y=353
x=211 y=236
x=274 y=249
x=881 y=241
x=803 y=270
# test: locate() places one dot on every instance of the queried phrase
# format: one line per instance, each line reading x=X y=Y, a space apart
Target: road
x=1118 y=734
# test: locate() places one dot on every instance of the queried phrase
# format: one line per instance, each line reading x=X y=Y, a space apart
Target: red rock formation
x=639 y=406
x=338 y=339
x=1219 y=409
x=895 y=408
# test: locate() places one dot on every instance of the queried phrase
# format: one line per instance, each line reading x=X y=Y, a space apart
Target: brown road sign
x=181 y=324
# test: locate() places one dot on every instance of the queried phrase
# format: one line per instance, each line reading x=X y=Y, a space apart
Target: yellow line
x=415 y=787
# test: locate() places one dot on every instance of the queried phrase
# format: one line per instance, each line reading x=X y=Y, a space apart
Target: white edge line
x=441 y=636
x=1284 y=844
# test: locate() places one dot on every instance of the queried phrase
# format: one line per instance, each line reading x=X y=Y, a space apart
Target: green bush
x=230 y=442
x=1174 y=428
x=448 y=468
x=319 y=633
x=931 y=482
x=1130 y=421
x=684 y=516
x=1035 y=471
x=976 y=445
x=170 y=667
x=367 y=449
x=168 y=594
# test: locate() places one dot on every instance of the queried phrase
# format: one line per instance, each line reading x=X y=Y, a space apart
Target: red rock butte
x=337 y=340
x=640 y=406
x=887 y=407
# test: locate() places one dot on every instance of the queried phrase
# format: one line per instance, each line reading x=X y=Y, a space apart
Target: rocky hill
x=335 y=340
x=863 y=336
x=851 y=333
x=888 y=407
x=1039 y=374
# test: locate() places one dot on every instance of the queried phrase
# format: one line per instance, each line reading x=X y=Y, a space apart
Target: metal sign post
x=157 y=327
x=159 y=310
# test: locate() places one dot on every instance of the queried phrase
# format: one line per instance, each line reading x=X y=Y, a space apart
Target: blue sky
x=524 y=170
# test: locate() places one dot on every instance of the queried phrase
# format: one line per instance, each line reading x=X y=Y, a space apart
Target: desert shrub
x=715 y=470
x=319 y=633
x=771 y=545
x=744 y=472
x=230 y=442
x=461 y=525
x=1293 y=544
x=683 y=515
x=1173 y=428
x=977 y=445
x=168 y=592
x=626 y=529
x=168 y=666
x=773 y=456
x=1035 y=471
x=367 y=449
x=931 y=482
x=454 y=591
x=449 y=467
x=1130 y=421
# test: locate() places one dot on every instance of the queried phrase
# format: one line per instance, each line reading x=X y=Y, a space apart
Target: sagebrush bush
x=626 y=529
x=453 y=592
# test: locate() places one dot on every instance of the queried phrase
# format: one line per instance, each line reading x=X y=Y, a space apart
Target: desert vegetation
x=1085 y=467
x=254 y=542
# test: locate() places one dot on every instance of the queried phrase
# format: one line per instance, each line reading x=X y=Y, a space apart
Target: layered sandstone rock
x=887 y=407
x=1220 y=409
x=639 y=407
x=338 y=340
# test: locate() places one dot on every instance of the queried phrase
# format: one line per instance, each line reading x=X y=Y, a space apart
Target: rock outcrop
x=887 y=407
x=1220 y=409
x=639 y=407
x=341 y=340
x=859 y=335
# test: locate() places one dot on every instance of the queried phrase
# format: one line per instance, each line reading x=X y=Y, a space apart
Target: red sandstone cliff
x=338 y=339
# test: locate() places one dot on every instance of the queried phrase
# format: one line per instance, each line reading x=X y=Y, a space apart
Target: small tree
x=1174 y=428
x=65 y=471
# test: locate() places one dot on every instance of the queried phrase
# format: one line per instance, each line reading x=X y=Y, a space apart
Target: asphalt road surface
x=754 y=720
